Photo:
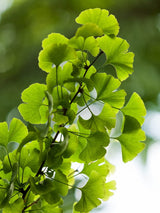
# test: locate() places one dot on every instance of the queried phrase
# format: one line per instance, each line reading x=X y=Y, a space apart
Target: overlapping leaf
x=135 y=108
x=106 y=119
x=90 y=44
x=106 y=90
x=131 y=138
x=16 y=132
x=95 y=189
x=104 y=22
x=116 y=50
x=55 y=51
x=95 y=147
x=34 y=109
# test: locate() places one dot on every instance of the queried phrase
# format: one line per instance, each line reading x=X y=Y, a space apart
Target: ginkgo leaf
x=90 y=44
x=100 y=17
x=10 y=137
x=107 y=89
x=54 y=38
x=15 y=207
x=17 y=130
x=102 y=166
x=107 y=118
x=135 y=108
x=116 y=50
x=55 y=54
x=34 y=109
x=65 y=74
x=89 y=29
x=92 y=192
x=131 y=138
x=95 y=147
x=4 y=133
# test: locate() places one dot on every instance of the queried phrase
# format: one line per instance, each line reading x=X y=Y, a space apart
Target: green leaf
x=30 y=156
x=107 y=118
x=100 y=17
x=135 y=108
x=92 y=192
x=3 y=152
x=61 y=183
x=34 y=109
x=55 y=54
x=95 y=147
x=60 y=119
x=107 y=89
x=55 y=51
x=102 y=166
x=30 y=137
x=17 y=130
x=15 y=207
x=131 y=139
x=116 y=50
x=72 y=141
x=64 y=74
x=89 y=29
x=90 y=44
x=3 y=133
x=54 y=38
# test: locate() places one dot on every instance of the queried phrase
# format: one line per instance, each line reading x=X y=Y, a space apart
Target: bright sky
x=138 y=186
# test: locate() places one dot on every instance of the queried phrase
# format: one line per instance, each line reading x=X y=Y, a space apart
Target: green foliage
x=37 y=154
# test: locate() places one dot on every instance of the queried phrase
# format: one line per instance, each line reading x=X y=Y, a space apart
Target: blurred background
x=23 y=26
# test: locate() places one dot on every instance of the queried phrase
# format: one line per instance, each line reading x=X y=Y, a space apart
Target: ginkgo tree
x=72 y=118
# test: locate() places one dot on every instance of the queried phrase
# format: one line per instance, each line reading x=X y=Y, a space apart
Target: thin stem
x=100 y=53
x=26 y=207
x=57 y=82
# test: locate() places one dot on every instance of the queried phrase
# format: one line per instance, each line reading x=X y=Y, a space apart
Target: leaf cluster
x=72 y=118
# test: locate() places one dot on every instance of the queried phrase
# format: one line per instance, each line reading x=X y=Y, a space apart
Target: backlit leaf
x=131 y=138
x=55 y=54
x=34 y=109
x=95 y=147
x=116 y=50
x=135 y=108
x=100 y=17
x=106 y=90
x=92 y=192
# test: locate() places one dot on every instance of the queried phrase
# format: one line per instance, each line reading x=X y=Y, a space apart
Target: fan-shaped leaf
x=116 y=50
x=106 y=90
x=100 y=17
x=34 y=109
x=135 y=108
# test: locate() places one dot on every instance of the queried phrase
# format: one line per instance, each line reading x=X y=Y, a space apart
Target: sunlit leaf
x=95 y=147
x=135 y=108
x=15 y=207
x=54 y=38
x=55 y=54
x=116 y=50
x=92 y=192
x=131 y=138
x=107 y=118
x=100 y=17
x=106 y=90
x=34 y=109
